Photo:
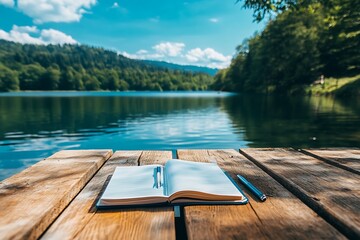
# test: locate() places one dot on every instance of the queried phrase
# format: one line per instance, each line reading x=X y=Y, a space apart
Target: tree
x=340 y=41
x=91 y=83
x=50 y=79
x=290 y=48
x=8 y=80
x=113 y=80
x=66 y=79
x=71 y=67
x=272 y=7
x=223 y=82
x=285 y=55
x=30 y=76
x=123 y=86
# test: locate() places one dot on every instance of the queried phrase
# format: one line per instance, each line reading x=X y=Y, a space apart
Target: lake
x=33 y=125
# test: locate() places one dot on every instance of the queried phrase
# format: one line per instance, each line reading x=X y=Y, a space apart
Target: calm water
x=35 y=125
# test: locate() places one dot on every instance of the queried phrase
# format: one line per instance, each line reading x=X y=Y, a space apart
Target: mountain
x=195 y=69
x=81 y=67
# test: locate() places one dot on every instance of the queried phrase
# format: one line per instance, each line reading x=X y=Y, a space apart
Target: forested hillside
x=306 y=40
x=190 y=68
x=78 y=67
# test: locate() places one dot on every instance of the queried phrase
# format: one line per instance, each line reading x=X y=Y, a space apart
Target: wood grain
x=332 y=192
x=81 y=220
x=31 y=200
x=345 y=158
x=281 y=216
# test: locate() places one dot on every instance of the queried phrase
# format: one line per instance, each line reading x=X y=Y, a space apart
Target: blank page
x=133 y=182
x=201 y=177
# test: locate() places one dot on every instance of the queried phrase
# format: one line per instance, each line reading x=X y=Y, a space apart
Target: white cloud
x=142 y=52
x=208 y=54
x=172 y=52
x=52 y=10
x=21 y=35
x=129 y=55
x=27 y=34
x=214 y=20
x=56 y=37
x=208 y=57
x=25 y=29
x=171 y=49
x=8 y=3
x=115 y=5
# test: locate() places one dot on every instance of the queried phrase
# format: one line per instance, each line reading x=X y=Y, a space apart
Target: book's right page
x=199 y=182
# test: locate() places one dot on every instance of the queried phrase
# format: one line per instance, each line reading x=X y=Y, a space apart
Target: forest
x=303 y=41
x=80 y=67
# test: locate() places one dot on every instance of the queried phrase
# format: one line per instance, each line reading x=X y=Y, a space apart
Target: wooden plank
x=155 y=157
x=281 y=216
x=31 y=200
x=82 y=208
x=81 y=220
x=330 y=191
x=345 y=158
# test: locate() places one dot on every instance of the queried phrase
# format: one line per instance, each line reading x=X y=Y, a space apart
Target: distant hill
x=81 y=67
x=195 y=69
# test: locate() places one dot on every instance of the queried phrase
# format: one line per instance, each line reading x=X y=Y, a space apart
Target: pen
x=158 y=176
x=252 y=188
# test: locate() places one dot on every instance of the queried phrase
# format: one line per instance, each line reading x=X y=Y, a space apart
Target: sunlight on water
x=35 y=125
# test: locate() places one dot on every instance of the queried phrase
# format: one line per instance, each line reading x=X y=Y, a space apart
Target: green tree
x=8 y=79
x=340 y=40
x=285 y=56
x=30 y=76
x=270 y=8
x=91 y=83
x=66 y=79
x=113 y=80
x=68 y=67
x=50 y=79
x=123 y=85
x=290 y=48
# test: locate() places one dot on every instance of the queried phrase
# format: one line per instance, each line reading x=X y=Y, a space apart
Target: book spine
x=165 y=181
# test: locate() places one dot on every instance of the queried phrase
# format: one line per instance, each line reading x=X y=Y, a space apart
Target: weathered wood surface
x=281 y=216
x=332 y=192
x=348 y=159
x=81 y=219
x=31 y=200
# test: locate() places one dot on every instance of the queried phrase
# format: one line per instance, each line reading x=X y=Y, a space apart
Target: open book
x=178 y=182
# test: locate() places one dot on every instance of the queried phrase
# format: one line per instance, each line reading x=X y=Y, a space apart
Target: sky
x=197 y=32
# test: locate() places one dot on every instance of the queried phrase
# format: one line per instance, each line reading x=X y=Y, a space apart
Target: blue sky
x=198 y=32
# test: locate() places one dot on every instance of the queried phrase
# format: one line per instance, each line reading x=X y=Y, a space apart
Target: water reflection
x=55 y=115
x=35 y=125
x=280 y=121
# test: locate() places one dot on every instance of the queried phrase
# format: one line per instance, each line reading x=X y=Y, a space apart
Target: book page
x=133 y=186
x=202 y=181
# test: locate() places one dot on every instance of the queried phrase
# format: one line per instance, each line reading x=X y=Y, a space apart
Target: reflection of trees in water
x=31 y=115
x=275 y=121
x=266 y=121
x=328 y=104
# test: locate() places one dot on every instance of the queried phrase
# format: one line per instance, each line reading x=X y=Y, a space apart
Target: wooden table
x=312 y=194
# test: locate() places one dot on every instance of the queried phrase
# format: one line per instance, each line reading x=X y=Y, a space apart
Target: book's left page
x=135 y=185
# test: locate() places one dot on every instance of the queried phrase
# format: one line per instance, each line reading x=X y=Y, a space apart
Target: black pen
x=252 y=188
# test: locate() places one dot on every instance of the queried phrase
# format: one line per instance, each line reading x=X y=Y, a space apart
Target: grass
x=336 y=86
